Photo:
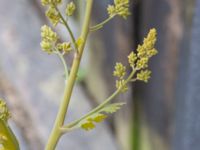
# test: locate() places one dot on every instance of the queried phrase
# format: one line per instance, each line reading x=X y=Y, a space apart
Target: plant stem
x=64 y=63
x=56 y=132
x=100 y=25
x=99 y=107
x=67 y=26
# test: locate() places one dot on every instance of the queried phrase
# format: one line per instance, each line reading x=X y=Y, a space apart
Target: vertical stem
x=56 y=132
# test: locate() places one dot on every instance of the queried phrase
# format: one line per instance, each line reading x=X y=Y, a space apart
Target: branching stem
x=100 y=25
x=67 y=27
x=57 y=132
x=64 y=63
x=72 y=125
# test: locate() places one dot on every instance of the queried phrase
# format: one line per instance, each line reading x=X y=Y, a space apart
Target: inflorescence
x=120 y=8
x=138 y=62
x=50 y=38
x=49 y=42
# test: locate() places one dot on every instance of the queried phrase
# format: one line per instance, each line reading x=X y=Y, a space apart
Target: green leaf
x=112 y=108
x=88 y=123
x=98 y=118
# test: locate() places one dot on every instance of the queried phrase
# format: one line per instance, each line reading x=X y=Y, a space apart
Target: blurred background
x=160 y=115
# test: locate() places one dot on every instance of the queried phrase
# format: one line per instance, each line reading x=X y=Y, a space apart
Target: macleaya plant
x=138 y=64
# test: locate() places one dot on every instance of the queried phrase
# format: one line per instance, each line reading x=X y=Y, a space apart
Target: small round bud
x=144 y=75
x=50 y=2
x=48 y=34
x=120 y=84
x=64 y=47
x=53 y=15
x=120 y=70
x=46 y=46
x=142 y=63
x=132 y=58
x=120 y=7
x=71 y=7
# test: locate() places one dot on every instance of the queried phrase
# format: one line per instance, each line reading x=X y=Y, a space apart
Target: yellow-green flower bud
x=49 y=38
x=122 y=10
x=144 y=75
x=141 y=51
x=45 y=2
x=56 y=1
x=120 y=7
x=132 y=58
x=149 y=42
x=71 y=7
x=50 y=2
x=53 y=15
x=46 y=46
x=4 y=113
x=152 y=52
x=47 y=34
x=147 y=48
x=111 y=10
x=120 y=84
x=64 y=47
x=142 y=63
x=120 y=70
x=152 y=34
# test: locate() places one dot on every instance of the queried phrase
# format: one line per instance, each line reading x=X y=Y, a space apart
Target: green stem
x=56 y=132
x=99 y=107
x=67 y=27
x=100 y=25
x=63 y=62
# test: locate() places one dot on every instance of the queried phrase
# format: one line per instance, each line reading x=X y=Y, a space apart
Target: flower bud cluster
x=4 y=113
x=50 y=2
x=132 y=58
x=64 y=47
x=145 y=51
x=71 y=7
x=53 y=15
x=49 y=38
x=138 y=62
x=49 y=42
x=144 y=75
x=120 y=72
x=120 y=8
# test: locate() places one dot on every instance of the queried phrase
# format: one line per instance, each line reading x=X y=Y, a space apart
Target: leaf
x=99 y=116
x=88 y=125
x=112 y=108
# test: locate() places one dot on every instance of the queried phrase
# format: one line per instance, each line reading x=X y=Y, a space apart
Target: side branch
x=67 y=27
